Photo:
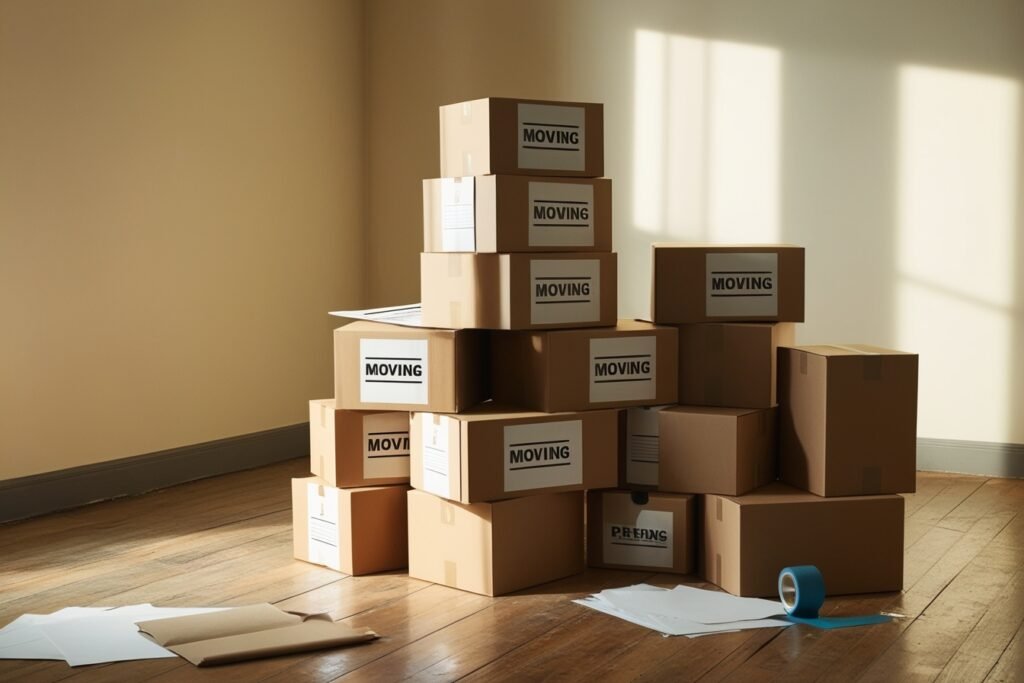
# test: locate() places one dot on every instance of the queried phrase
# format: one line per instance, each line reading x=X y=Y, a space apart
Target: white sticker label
x=393 y=371
x=324 y=533
x=561 y=214
x=565 y=291
x=435 y=455
x=644 y=541
x=543 y=454
x=742 y=284
x=458 y=214
x=552 y=137
x=386 y=445
x=642 y=446
x=623 y=369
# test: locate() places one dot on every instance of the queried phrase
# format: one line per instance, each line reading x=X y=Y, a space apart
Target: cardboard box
x=730 y=364
x=848 y=419
x=641 y=530
x=856 y=542
x=490 y=455
x=698 y=283
x=495 y=548
x=640 y=447
x=352 y=448
x=522 y=137
x=389 y=367
x=509 y=213
x=716 y=450
x=633 y=363
x=518 y=291
x=356 y=531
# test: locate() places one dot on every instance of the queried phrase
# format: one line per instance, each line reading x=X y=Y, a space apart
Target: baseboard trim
x=43 y=493
x=971 y=457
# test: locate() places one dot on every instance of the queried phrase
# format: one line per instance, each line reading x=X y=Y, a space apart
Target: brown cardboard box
x=522 y=137
x=490 y=455
x=697 y=283
x=389 y=367
x=509 y=213
x=848 y=419
x=356 y=531
x=856 y=542
x=633 y=363
x=716 y=450
x=495 y=548
x=640 y=530
x=518 y=291
x=350 y=448
x=730 y=364
x=640 y=447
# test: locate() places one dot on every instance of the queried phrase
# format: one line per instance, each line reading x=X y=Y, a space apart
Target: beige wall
x=181 y=202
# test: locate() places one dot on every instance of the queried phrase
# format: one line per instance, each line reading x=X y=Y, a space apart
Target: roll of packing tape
x=802 y=592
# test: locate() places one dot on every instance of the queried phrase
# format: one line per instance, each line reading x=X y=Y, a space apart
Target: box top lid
x=776 y=493
x=724 y=246
x=493 y=412
x=848 y=350
x=524 y=101
x=710 y=410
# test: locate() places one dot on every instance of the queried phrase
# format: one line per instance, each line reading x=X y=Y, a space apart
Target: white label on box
x=543 y=454
x=324 y=533
x=561 y=214
x=623 y=369
x=642 y=446
x=393 y=371
x=742 y=284
x=645 y=541
x=458 y=214
x=552 y=137
x=386 y=445
x=435 y=455
x=565 y=291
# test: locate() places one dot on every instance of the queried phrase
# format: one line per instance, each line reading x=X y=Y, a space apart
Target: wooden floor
x=227 y=541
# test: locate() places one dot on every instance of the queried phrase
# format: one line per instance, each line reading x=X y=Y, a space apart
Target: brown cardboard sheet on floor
x=641 y=530
x=352 y=448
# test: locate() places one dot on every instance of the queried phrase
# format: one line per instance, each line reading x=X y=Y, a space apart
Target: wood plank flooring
x=227 y=541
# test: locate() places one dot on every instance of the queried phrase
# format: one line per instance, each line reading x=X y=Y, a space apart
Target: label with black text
x=644 y=541
x=623 y=369
x=742 y=284
x=385 y=445
x=323 y=535
x=565 y=291
x=561 y=214
x=552 y=137
x=543 y=454
x=436 y=471
x=393 y=371
x=642 y=447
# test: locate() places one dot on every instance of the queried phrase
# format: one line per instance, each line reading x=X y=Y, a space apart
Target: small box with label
x=488 y=454
x=378 y=366
x=640 y=449
x=641 y=530
x=522 y=137
x=633 y=363
x=699 y=283
x=730 y=364
x=508 y=213
x=495 y=548
x=355 y=531
x=716 y=450
x=848 y=419
x=350 y=448
x=518 y=291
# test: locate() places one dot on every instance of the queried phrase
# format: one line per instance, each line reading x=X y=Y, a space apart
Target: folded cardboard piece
x=378 y=366
x=697 y=283
x=495 y=548
x=639 y=447
x=641 y=530
x=856 y=541
x=510 y=213
x=522 y=137
x=352 y=448
x=518 y=291
x=250 y=632
x=716 y=450
x=491 y=454
x=848 y=419
x=633 y=363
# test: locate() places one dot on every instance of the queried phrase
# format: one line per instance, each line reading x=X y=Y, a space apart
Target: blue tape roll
x=802 y=592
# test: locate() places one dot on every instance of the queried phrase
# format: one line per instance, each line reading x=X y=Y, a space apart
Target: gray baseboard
x=971 y=457
x=52 y=491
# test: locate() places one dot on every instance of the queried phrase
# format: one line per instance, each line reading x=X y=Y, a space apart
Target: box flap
x=848 y=350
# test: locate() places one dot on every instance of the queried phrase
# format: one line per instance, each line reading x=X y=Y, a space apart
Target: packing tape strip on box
x=802 y=592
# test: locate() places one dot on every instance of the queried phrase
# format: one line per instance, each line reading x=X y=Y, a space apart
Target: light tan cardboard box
x=352 y=448
x=641 y=530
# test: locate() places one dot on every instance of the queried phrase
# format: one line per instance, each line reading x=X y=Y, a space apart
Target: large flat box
x=633 y=363
x=518 y=291
x=641 y=530
x=495 y=548
x=699 y=283
x=731 y=364
x=856 y=542
x=522 y=137
x=509 y=213
x=490 y=454
x=640 y=447
x=354 y=448
x=728 y=451
x=356 y=531
x=848 y=419
x=389 y=367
